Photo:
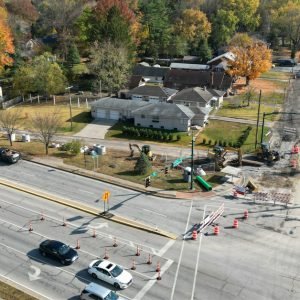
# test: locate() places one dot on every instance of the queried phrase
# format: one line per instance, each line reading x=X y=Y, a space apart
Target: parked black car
x=59 y=251
x=286 y=62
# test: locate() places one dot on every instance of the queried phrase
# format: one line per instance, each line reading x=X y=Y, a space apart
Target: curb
x=90 y=210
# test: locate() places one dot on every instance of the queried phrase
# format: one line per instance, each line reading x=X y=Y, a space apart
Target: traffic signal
x=166 y=170
x=147 y=181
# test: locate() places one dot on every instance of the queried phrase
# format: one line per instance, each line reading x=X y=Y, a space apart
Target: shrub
x=230 y=144
x=204 y=141
x=209 y=142
x=224 y=144
x=215 y=143
x=178 y=137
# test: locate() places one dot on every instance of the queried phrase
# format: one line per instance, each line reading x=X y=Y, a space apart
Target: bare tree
x=9 y=120
x=46 y=126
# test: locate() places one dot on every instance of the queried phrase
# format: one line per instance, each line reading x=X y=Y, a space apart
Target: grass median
x=8 y=292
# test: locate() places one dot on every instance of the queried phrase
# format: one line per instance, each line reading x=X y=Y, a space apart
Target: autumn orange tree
x=6 y=40
x=252 y=57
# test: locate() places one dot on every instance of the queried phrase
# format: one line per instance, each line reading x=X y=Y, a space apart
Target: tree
x=143 y=165
x=22 y=8
x=224 y=25
x=46 y=126
x=155 y=18
x=287 y=22
x=245 y=10
x=252 y=57
x=42 y=75
x=6 y=40
x=110 y=65
x=73 y=56
x=59 y=16
x=9 y=120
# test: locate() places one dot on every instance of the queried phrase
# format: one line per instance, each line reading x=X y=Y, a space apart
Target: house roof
x=217 y=93
x=182 y=66
x=188 y=78
x=145 y=71
x=224 y=56
x=134 y=81
x=115 y=103
x=168 y=110
x=195 y=94
x=153 y=90
x=200 y=110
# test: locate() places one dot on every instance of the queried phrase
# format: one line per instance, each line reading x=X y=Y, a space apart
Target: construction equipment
x=9 y=156
x=219 y=154
x=265 y=153
x=145 y=149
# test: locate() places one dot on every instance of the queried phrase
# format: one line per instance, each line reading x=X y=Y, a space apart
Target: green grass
x=80 y=116
x=230 y=132
x=116 y=132
x=247 y=112
x=7 y=292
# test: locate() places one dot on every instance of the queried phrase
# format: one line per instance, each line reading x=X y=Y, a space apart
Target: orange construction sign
x=105 y=195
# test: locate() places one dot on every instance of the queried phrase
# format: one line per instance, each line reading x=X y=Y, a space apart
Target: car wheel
x=94 y=276
x=116 y=285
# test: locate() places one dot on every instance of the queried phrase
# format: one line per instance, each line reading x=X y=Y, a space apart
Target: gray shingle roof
x=188 y=66
x=167 y=110
x=152 y=90
x=149 y=71
x=195 y=94
x=115 y=103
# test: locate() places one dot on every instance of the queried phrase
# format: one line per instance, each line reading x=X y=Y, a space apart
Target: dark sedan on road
x=59 y=251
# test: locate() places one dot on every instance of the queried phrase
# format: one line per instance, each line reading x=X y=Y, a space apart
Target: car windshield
x=63 y=249
x=116 y=271
x=112 y=296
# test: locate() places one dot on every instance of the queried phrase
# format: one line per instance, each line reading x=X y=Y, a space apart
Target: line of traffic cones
x=138 y=251
x=77 y=244
x=106 y=256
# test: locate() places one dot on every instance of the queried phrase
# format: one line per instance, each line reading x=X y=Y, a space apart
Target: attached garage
x=114 y=115
x=101 y=114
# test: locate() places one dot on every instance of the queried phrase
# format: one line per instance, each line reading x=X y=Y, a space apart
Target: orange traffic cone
x=235 y=194
x=64 y=223
x=42 y=217
x=138 y=251
x=115 y=242
x=149 y=261
x=30 y=227
x=216 y=230
x=158 y=276
x=194 y=235
x=158 y=267
x=133 y=265
x=106 y=256
x=235 y=223
x=94 y=233
x=78 y=244
x=246 y=214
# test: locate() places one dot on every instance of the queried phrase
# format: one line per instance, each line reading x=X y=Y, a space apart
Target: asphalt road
x=259 y=260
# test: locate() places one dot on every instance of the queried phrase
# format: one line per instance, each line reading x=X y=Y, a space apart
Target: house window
x=151 y=126
x=138 y=124
x=175 y=129
x=143 y=116
x=162 y=127
x=155 y=119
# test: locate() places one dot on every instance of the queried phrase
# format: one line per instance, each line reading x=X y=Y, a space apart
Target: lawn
x=232 y=110
x=229 y=132
x=116 y=132
x=8 y=292
x=80 y=116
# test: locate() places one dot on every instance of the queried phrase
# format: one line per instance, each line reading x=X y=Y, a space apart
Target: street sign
x=105 y=196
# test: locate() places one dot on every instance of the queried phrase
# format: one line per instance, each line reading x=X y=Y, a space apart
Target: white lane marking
x=47 y=237
x=120 y=240
x=164 y=249
x=35 y=275
x=88 y=192
x=98 y=225
x=181 y=252
x=140 y=295
x=28 y=174
x=198 y=258
x=154 y=212
x=25 y=287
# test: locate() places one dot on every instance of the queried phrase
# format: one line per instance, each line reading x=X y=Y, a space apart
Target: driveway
x=97 y=129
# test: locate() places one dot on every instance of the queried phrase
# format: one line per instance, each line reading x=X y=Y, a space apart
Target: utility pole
x=192 y=162
x=257 y=121
x=70 y=105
